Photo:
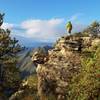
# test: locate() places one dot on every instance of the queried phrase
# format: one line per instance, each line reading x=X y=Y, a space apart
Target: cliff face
x=56 y=69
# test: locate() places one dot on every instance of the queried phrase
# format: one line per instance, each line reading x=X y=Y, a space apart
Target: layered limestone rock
x=62 y=62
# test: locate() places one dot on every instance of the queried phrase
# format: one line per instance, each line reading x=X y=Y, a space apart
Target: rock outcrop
x=56 y=69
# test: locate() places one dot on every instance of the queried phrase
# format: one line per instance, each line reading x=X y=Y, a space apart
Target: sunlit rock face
x=56 y=69
x=39 y=57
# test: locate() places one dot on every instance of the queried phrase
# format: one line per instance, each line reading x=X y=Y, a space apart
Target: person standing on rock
x=69 y=27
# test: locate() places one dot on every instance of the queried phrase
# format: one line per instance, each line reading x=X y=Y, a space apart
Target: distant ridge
x=28 y=42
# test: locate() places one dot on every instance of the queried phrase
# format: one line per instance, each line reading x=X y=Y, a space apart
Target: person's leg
x=69 y=30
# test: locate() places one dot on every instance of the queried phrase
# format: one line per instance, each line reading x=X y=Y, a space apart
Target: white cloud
x=7 y=26
x=44 y=30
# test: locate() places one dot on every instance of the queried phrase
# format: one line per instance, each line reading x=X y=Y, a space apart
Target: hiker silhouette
x=69 y=27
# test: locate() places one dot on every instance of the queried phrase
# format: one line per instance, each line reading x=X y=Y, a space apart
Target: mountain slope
x=25 y=63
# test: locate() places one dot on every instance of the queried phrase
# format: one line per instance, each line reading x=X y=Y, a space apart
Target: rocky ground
x=61 y=64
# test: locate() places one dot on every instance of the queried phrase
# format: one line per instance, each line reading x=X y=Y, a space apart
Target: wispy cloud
x=44 y=30
x=76 y=17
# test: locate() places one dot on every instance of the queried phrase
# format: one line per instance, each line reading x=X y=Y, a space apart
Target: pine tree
x=9 y=74
x=93 y=29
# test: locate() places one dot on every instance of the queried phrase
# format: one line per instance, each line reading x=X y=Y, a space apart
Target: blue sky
x=22 y=16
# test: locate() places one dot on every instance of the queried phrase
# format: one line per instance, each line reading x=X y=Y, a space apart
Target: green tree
x=93 y=29
x=9 y=74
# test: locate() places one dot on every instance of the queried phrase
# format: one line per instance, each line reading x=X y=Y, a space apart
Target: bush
x=86 y=84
